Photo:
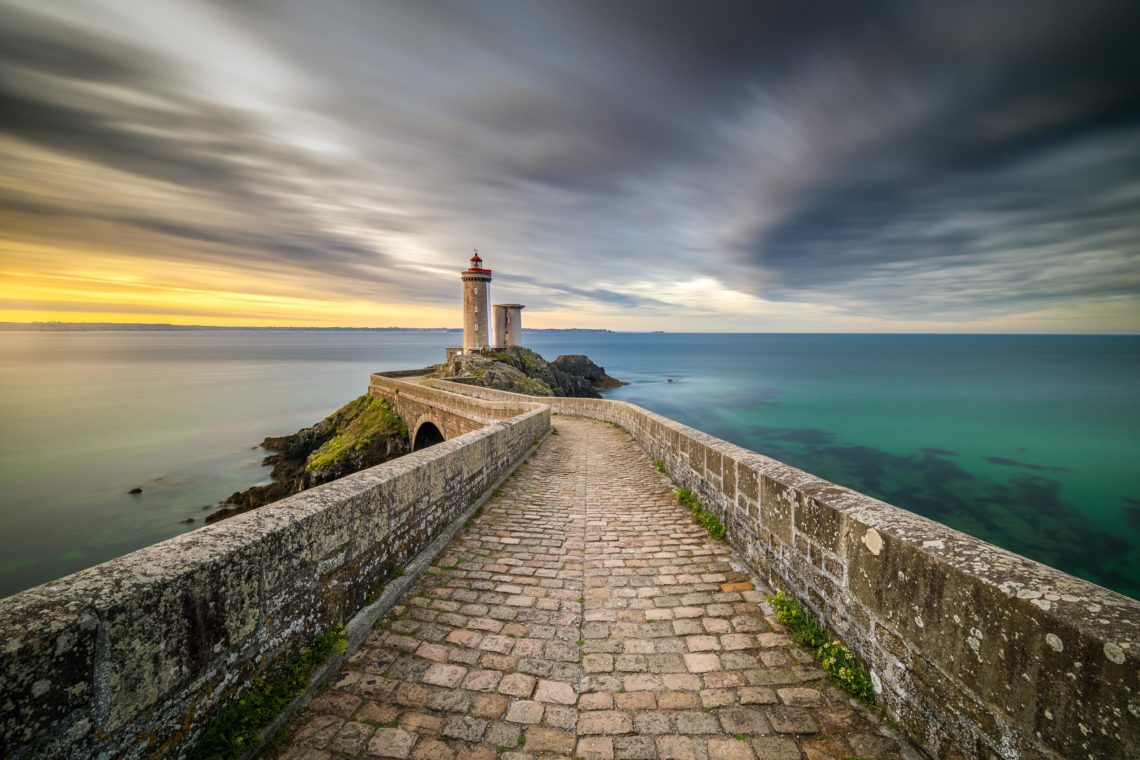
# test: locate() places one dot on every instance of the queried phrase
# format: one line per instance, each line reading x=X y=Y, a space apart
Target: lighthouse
x=476 y=304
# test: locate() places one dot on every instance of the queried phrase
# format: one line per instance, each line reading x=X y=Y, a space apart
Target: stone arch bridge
x=434 y=415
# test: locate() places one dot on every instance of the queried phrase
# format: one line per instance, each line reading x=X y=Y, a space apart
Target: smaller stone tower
x=476 y=303
x=508 y=324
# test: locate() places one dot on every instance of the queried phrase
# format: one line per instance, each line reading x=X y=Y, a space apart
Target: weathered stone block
x=728 y=480
x=777 y=503
x=749 y=483
x=696 y=454
x=307 y=539
x=169 y=611
x=47 y=664
x=712 y=463
x=821 y=522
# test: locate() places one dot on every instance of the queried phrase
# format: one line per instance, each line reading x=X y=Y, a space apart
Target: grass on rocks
x=235 y=728
x=371 y=419
x=705 y=518
x=835 y=658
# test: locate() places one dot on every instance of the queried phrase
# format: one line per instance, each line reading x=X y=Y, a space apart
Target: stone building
x=476 y=304
x=508 y=324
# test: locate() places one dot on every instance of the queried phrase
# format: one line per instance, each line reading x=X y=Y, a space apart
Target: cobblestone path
x=583 y=615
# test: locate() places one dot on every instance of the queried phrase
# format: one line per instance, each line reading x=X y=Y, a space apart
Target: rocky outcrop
x=575 y=368
x=517 y=370
x=521 y=370
x=363 y=433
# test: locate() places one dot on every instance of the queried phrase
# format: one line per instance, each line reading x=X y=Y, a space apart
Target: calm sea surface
x=1031 y=442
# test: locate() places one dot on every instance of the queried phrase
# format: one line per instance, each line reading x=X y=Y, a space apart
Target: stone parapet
x=451 y=413
x=130 y=658
x=975 y=651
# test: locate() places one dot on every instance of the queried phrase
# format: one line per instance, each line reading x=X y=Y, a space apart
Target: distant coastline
x=164 y=327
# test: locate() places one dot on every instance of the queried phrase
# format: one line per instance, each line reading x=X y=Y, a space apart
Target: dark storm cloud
x=907 y=160
x=92 y=136
x=30 y=41
x=1029 y=231
x=1023 y=161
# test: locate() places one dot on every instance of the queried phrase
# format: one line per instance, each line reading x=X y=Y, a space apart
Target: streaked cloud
x=816 y=165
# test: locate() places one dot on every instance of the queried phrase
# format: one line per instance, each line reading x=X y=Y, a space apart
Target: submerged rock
x=135 y=491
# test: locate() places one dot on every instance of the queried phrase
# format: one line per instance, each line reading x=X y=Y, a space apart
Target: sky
x=911 y=166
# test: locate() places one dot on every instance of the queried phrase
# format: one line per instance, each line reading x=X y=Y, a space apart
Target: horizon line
x=6 y=326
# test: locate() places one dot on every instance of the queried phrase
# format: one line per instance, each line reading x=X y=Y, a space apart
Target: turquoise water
x=1030 y=442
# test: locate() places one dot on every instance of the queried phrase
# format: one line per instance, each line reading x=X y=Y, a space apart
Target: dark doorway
x=427 y=435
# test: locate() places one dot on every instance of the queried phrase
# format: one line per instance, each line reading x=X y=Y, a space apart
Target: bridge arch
x=427 y=434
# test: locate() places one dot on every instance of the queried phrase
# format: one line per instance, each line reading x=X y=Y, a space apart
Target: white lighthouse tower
x=476 y=304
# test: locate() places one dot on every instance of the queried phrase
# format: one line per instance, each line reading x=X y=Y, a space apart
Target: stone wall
x=976 y=651
x=130 y=658
x=453 y=414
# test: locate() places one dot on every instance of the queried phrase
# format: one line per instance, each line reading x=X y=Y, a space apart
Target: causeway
x=584 y=614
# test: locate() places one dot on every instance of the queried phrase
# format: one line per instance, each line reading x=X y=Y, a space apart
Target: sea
x=1031 y=442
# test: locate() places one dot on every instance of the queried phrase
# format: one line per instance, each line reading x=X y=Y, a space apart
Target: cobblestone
x=583 y=614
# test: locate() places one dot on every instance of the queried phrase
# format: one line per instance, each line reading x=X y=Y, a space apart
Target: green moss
x=659 y=465
x=836 y=659
x=705 y=518
x=234 y=729
x=366 y=420
x=535 y=387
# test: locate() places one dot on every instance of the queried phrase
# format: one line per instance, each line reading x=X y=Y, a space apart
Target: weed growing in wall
x=705 y=518
x=235 y=728
x=836 y=659
x=659 y=465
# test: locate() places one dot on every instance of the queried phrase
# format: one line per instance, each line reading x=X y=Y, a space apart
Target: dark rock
x=520 y=370
x=188 y=520
x=135 y=491
x=374 y=432
x=580 y=366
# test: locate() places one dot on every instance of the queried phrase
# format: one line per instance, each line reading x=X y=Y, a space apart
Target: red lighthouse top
x=477 y=264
